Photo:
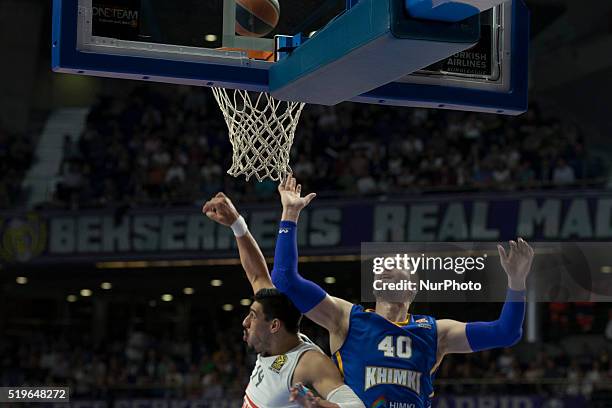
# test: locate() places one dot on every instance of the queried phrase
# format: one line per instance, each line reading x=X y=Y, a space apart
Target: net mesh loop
x=261 y=131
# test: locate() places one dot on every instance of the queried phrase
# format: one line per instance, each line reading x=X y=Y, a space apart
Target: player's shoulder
x=312 y=363
x=357 y=309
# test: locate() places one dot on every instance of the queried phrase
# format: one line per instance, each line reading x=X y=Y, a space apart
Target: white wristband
x=239 y=227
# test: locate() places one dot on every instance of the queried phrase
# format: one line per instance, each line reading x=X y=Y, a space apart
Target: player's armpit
x=452 y=337
x=253 y=262
x=333 y=314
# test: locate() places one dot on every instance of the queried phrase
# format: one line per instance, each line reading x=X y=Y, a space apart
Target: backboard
x=195 y=42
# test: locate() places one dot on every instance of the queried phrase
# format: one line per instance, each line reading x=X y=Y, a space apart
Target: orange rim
x=253 y=54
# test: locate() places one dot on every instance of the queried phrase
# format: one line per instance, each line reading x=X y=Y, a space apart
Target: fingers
x=311 y=399
x=210 y=209
x=282 y=186
x=298 y=189
x=206 y=207
x=520 y=245
x=502 y=253
x=300 y=393
x=314 y=401
x=525 y=247
x=211 y=204
x=513 y=246
x=310 y=197
x=291 y=184
x=294 y=394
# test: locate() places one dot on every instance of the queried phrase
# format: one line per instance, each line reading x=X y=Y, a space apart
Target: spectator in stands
x=592 y=379
x=563 y=174
x=608 y=330
x=525 y=175
x=585 y=315
x=574 y=378
x=172 y=147
x=16 y=157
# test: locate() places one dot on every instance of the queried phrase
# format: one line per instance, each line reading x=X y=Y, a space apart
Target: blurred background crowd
x=209 y=360
x=16 y=157
x=157 y=148
x=74 y=143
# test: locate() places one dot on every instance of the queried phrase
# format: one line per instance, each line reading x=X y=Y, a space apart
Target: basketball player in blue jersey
x=387 y=356
x=271 y=328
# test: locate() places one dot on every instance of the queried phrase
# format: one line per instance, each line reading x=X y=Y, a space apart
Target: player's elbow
x=280 y=279
x=512 y=337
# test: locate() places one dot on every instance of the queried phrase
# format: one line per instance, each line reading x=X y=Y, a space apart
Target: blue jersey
x=389 y=365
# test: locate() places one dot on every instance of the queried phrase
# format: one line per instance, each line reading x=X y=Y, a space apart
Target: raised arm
x=221 y=210
x=329 y=312
x=457 y=337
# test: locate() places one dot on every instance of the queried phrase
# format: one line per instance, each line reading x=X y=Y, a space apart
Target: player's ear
x=275 y=326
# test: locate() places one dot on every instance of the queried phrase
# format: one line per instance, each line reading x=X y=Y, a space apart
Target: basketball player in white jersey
x=286 y=359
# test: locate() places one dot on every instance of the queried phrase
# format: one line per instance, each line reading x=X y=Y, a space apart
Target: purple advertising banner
x=326 y=227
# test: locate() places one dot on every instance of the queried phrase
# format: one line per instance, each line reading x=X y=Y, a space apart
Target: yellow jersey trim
x=399 y=324
x=339 y=360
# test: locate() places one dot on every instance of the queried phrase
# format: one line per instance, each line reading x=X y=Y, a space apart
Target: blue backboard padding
x=513 y=102
x=450 y=11
x=370 y=45
x=362 y=24
x=405 y=26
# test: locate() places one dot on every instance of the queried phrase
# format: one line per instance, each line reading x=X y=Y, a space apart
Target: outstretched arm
x=457 y=337
x=317 y=370
x=220 y=209
x=327 y=311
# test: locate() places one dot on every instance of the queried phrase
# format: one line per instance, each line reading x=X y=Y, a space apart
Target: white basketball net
x=261 y=131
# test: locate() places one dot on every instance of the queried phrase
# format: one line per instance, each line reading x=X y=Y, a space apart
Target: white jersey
x=270 y=382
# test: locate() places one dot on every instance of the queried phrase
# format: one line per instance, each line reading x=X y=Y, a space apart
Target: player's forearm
x=344 y=397
x=303 y=293
x=504 y=332
x=252 y=259
x=516 y=284
x=290 y=214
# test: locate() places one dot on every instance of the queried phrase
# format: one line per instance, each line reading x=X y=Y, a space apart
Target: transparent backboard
x=204 y=32
x=206 y=24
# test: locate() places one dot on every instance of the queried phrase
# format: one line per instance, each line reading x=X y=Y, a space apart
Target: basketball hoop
x=261 y=131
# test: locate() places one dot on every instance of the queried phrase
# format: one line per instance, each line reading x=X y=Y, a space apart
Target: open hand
x=291 y=198
x=517 y=263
